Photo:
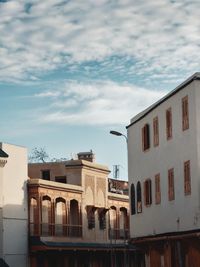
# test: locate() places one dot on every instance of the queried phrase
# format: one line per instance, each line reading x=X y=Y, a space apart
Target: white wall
x=164 y=217
x=15 y=214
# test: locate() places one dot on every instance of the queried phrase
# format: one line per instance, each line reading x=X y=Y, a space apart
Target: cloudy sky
x=72 y=70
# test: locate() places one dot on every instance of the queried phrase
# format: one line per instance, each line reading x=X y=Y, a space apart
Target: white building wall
x=183 y=213
x=15 y=215
x=1 y=210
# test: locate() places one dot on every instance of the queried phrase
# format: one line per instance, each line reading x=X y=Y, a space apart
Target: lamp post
x=126 y=262
x=119 y=134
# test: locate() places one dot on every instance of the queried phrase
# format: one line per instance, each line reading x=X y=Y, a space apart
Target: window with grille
x=171 y=195
x=155 y=132
x=102 y=220
x=157 y=189
x=185 y=113
x=187 y=178
x=132 y=199
x=147 y=192
x=139 y=198
x=169 y=123
x=146 y=137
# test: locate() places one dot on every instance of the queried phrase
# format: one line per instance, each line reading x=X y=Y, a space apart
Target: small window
x=91 y=217
x=102 y=219
x=155 y=132
x=61 y=179
x=147 y=192
x=46 y=174
x=157 y=189
x=185 y=113
x=187 y=178
x=139 y=198
x=171 y=194
x=169 y=123
x=132 y=199
x=145 y=137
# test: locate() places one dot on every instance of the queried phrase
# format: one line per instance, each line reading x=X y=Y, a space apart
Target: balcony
x=57 y=230
x=117 y=234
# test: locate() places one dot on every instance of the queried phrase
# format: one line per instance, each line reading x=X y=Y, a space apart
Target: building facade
x=13 y=206
x=164 y=178
x=77 y=217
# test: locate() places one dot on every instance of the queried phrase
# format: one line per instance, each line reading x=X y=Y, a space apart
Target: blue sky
x=72 y=70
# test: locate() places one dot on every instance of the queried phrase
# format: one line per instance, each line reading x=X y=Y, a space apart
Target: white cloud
x=38 y=36
x=109 y=103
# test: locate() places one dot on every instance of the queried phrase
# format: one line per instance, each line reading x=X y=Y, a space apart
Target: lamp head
x=116 y=133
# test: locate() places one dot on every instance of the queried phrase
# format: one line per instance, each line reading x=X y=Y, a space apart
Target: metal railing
x=115 y=233
x=50 y=229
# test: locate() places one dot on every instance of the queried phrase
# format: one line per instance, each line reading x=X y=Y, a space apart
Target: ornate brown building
x=77 y=216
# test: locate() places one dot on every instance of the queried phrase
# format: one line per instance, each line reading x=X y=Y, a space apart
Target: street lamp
x=126 y=263
x=119 y=134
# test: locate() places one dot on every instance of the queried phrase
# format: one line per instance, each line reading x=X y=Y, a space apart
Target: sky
x=71 y=71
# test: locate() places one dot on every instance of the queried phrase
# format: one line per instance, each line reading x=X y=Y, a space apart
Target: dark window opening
x=169 y=123
x=46 y=175
x=146 y=137
x=139 y=198
x=132 y=199
x=147 y=192
x=61 y=179
x=102 y=220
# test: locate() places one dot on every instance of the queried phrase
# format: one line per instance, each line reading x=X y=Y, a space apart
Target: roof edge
x=142 y=114
x=3 y=154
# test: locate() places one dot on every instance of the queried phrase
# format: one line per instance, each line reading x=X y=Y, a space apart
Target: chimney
x=89 y=156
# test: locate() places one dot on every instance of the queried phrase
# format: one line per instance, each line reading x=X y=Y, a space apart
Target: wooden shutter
x=185 y=113
x=187 y=178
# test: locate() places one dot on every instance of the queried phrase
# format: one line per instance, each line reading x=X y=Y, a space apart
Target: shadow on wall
x=16 y=211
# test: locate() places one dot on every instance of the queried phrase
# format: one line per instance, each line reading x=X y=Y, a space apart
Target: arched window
x=102 y=218
x=132 y=199
x=60 y=216
x=33 y=216
x=139 y=198
x=74 y=219
x=113 y=222
x=123 y=222
x=46 y=216
x=147 y=192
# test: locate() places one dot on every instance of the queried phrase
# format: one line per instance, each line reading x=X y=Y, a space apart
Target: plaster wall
x=1 y=210
x=56 y=169
x=95 y=193
x=182 y=213
x=14 y=212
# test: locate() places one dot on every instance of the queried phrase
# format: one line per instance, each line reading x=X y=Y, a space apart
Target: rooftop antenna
x=116 y=171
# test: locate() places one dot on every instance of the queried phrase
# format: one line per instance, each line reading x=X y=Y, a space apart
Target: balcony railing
x=116 y=234
x=62 y=230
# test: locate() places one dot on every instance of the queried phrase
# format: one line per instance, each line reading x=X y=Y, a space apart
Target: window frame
x=148 y=192
x=155 y=131
x=157 y=189
x=169 y=123
x=187 y=178
x=185 y=113
x=171 y=189
x=139 y=197
x=46 y=171
x=133 y=209
x=146 y=137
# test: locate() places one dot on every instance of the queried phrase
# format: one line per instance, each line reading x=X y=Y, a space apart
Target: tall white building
x=164 y=175
x=13 y=205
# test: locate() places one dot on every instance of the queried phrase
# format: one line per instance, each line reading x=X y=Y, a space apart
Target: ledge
x=54 y=185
